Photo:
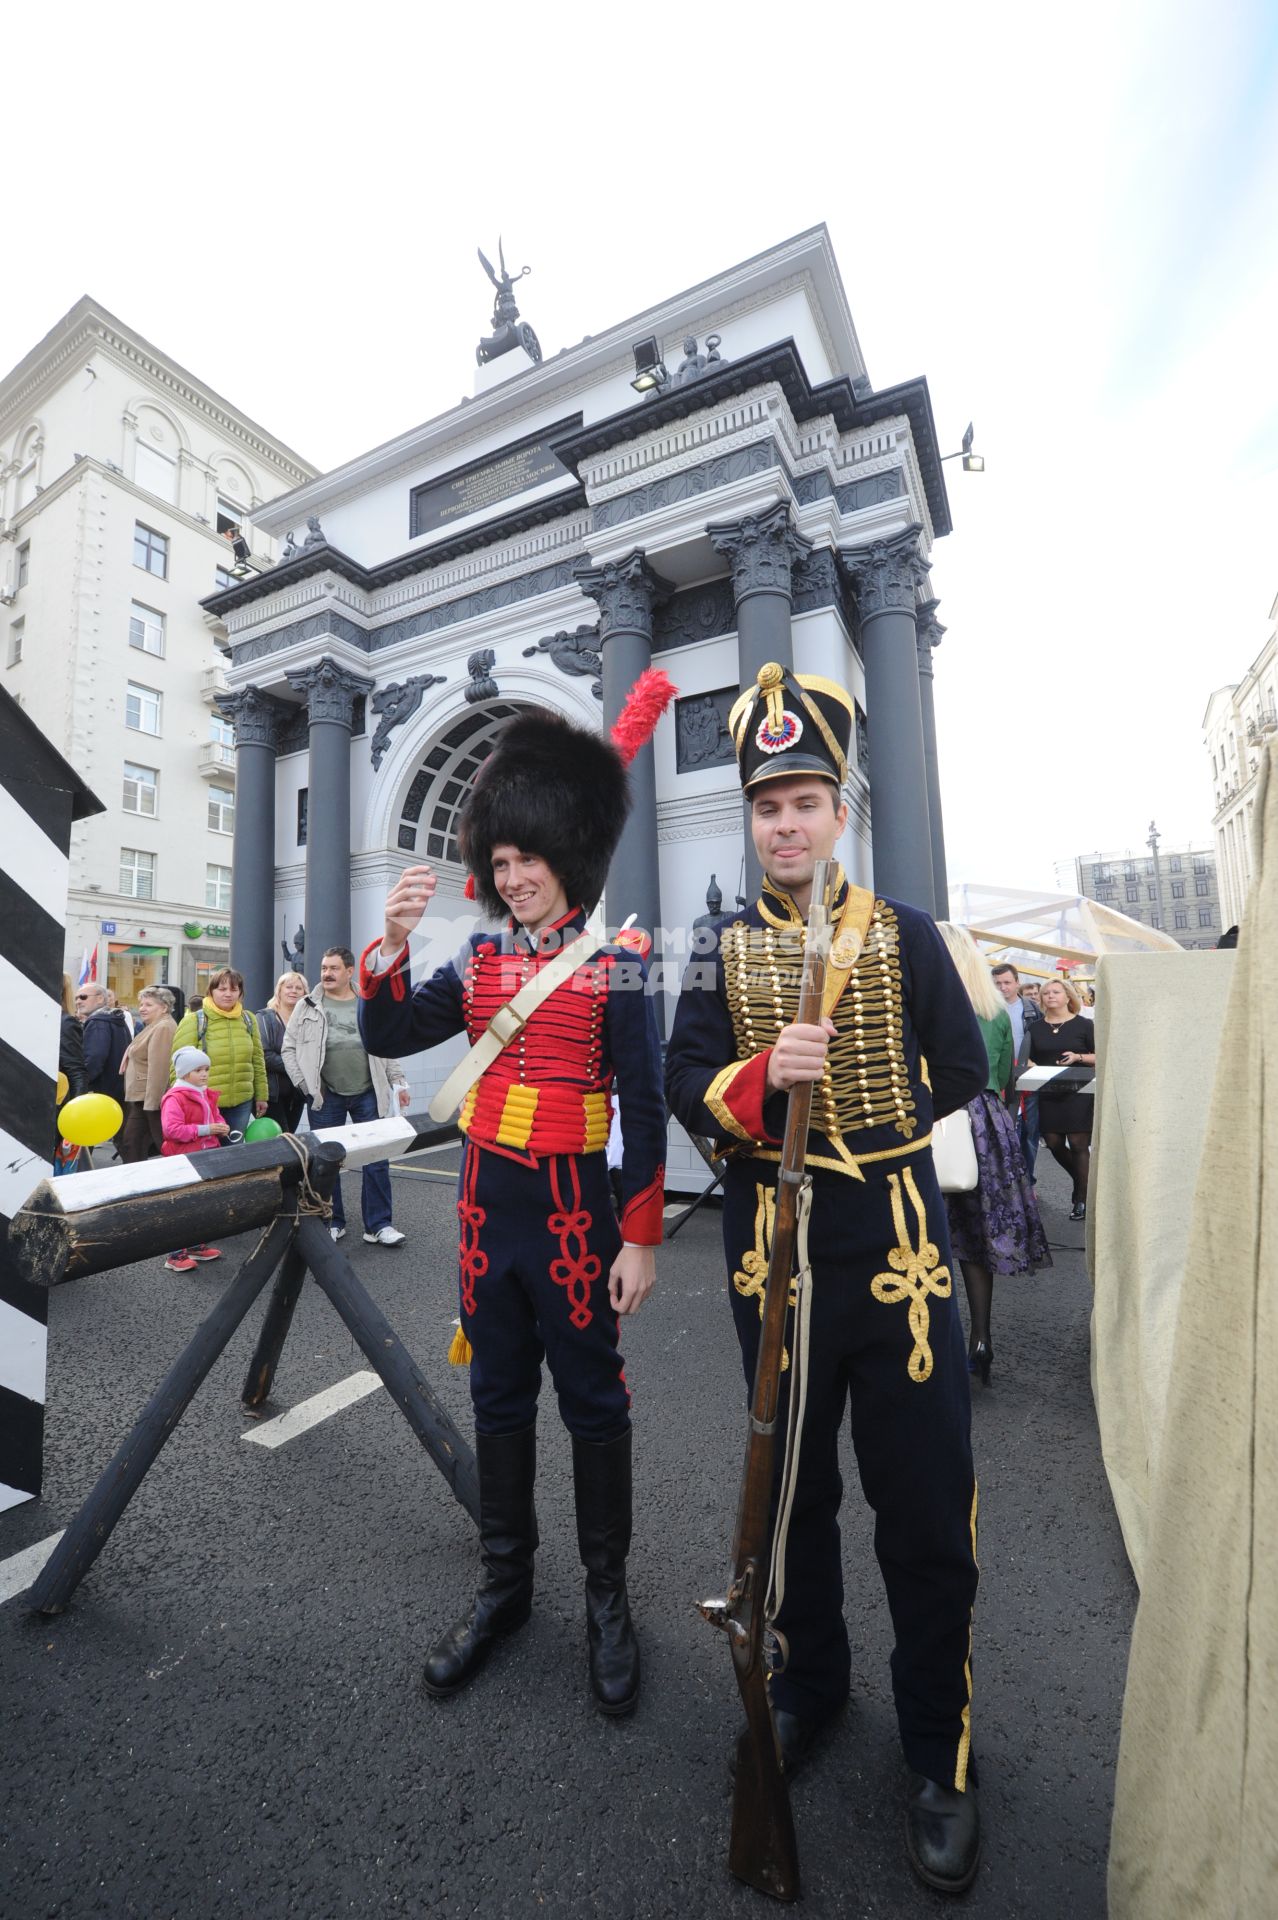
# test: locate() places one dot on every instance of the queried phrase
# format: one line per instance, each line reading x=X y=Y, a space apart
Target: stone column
x=762 y=550
x=627 y=591
x=885 y=576
x=928 y=632
x=331 y=692
x=257 y=719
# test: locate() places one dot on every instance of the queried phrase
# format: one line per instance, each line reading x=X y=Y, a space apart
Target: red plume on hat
x=560 y=791
x=645 y=703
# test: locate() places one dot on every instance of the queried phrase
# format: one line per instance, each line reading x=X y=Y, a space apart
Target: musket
x=763 y=1850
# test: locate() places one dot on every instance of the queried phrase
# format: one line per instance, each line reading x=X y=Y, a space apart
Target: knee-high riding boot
x=507 y=1465
x=601 y=1480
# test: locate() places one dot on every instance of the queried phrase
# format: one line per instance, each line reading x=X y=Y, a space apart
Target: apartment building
x=123 y=479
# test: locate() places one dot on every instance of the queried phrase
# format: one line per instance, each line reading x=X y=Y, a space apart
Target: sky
x=1065 y=219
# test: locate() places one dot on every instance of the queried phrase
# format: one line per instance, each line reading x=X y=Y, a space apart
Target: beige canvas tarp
x=1159 y=1020
x=1195 y=1833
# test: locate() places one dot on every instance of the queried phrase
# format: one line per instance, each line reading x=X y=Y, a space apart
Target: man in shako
x=546 y=1268
x=898 y=1047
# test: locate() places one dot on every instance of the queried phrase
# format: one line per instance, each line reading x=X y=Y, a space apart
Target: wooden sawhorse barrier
x=91 y=1222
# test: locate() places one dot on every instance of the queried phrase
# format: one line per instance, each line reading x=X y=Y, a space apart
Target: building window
x=303 y=798
x=1206 y=918
x=1178 y=889
x=222 y=809
x=155 y=472
x=137 y=873
x=1175 y=863
x=146 y=629
x=1152 y=892
x=150 y=551
x=142 y=709
x=222 y=730
x=141 y=790
x=1200 y=866
x=24 y=564
x=217 y=889
x=1133 y=893
x=1202 y=887
x=17 y=633
x=222 y=578
x=1181 y=917
x=229 y=515
x=1154 y=921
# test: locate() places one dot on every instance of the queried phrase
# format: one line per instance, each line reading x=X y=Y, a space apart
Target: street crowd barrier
x=88 y=1223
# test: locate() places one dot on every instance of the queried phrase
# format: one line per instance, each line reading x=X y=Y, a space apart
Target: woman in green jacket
x=996 y=1228
x=229 y=1035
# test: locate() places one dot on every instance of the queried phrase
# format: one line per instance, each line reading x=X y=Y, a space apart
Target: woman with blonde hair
x=284 y=1101
x=146 y=1075
x=996 y=1228
x=1065 y=1037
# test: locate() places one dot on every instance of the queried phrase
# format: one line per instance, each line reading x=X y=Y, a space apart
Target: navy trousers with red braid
x=536 y=1246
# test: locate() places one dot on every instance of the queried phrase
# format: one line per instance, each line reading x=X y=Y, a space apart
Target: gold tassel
x=459 y=1354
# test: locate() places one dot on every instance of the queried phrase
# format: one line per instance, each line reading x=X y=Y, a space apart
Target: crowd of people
x=193 y=1078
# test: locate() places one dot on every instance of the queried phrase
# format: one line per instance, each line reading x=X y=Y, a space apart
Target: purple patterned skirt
x=997 y=1225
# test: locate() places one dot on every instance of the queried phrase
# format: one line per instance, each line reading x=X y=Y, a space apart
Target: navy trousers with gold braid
x=886 y=1342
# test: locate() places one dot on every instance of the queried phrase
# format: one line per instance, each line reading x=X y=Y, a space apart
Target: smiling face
x=290 y=992
x=529 y=889
x=794 y=823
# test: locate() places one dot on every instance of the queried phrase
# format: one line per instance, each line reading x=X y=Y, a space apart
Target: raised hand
x=405 y=904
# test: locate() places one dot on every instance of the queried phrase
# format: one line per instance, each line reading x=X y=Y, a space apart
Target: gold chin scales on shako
x=817 y=1044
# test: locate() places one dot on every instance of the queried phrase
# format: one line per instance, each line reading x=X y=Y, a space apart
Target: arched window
x=437 y=793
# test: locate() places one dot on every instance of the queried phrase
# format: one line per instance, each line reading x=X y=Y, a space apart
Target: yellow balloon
x=64 y=1088
x=90 y=1119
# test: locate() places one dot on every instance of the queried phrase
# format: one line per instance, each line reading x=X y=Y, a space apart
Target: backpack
x=202 y=1026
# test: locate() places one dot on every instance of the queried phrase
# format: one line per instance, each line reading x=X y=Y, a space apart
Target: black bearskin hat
x=552 y=789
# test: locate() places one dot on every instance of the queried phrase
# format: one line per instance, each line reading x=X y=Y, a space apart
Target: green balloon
x=261 y=1129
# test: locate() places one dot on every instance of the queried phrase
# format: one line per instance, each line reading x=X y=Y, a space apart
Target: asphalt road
x=226 y=1720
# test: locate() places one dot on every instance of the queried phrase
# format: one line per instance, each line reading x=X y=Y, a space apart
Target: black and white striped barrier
x=40 y=797
x=1067 y=1079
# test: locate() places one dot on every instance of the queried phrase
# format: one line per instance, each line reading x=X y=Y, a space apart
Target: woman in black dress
x=1065 y=1038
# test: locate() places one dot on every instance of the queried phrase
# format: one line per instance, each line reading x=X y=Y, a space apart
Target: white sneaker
x=385 y=1237
x=338 y=1233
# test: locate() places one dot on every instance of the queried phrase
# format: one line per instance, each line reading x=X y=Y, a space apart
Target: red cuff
x=641 y=1221
x=396 y=973
x=735 y=1097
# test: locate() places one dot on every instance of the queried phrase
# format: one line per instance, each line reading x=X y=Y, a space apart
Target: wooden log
x=270 y=1341
x=89 y=1532
x=50 y=1246
x=405 y=1383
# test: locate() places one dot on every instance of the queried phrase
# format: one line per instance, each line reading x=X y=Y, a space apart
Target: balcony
x=216 y=762
x=212 y=682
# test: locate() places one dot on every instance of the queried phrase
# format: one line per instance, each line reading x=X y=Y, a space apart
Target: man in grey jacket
x=323 y=1055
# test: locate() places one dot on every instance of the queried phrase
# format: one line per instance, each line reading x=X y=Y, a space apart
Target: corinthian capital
x=258 y=718
x=762 y=549
x=626 y=590
x=928 y=632
x=887 y=573
x=331 y=691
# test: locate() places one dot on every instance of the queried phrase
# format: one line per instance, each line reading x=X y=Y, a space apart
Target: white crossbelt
x=510 y=1020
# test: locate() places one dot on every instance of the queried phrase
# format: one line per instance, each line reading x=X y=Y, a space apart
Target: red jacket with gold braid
x=550 y=1091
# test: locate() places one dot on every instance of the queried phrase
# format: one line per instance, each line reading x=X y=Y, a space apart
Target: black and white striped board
x=1072 y=1079
x=40 y=796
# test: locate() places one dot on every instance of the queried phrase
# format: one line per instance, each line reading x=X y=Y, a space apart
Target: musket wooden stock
x=763 y=1850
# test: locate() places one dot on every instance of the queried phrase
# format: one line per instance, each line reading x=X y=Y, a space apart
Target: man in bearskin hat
x=546 y=1266
x=898 y=1047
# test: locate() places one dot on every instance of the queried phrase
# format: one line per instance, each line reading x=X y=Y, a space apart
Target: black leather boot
x=507 y=1541
x=943 y=1834
x=601 y=1479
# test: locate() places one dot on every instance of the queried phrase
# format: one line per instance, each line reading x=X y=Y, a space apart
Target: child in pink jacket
x=191 y=1122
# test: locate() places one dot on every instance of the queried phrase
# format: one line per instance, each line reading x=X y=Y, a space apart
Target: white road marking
x=17 y=1573
x=309 y=1413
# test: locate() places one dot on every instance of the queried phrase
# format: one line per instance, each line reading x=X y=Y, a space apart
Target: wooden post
x=379 y=1341
x=270 y=1341
x=89 y=1532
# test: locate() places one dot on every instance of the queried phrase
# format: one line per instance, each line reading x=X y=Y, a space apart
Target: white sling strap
x=510 y=1020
